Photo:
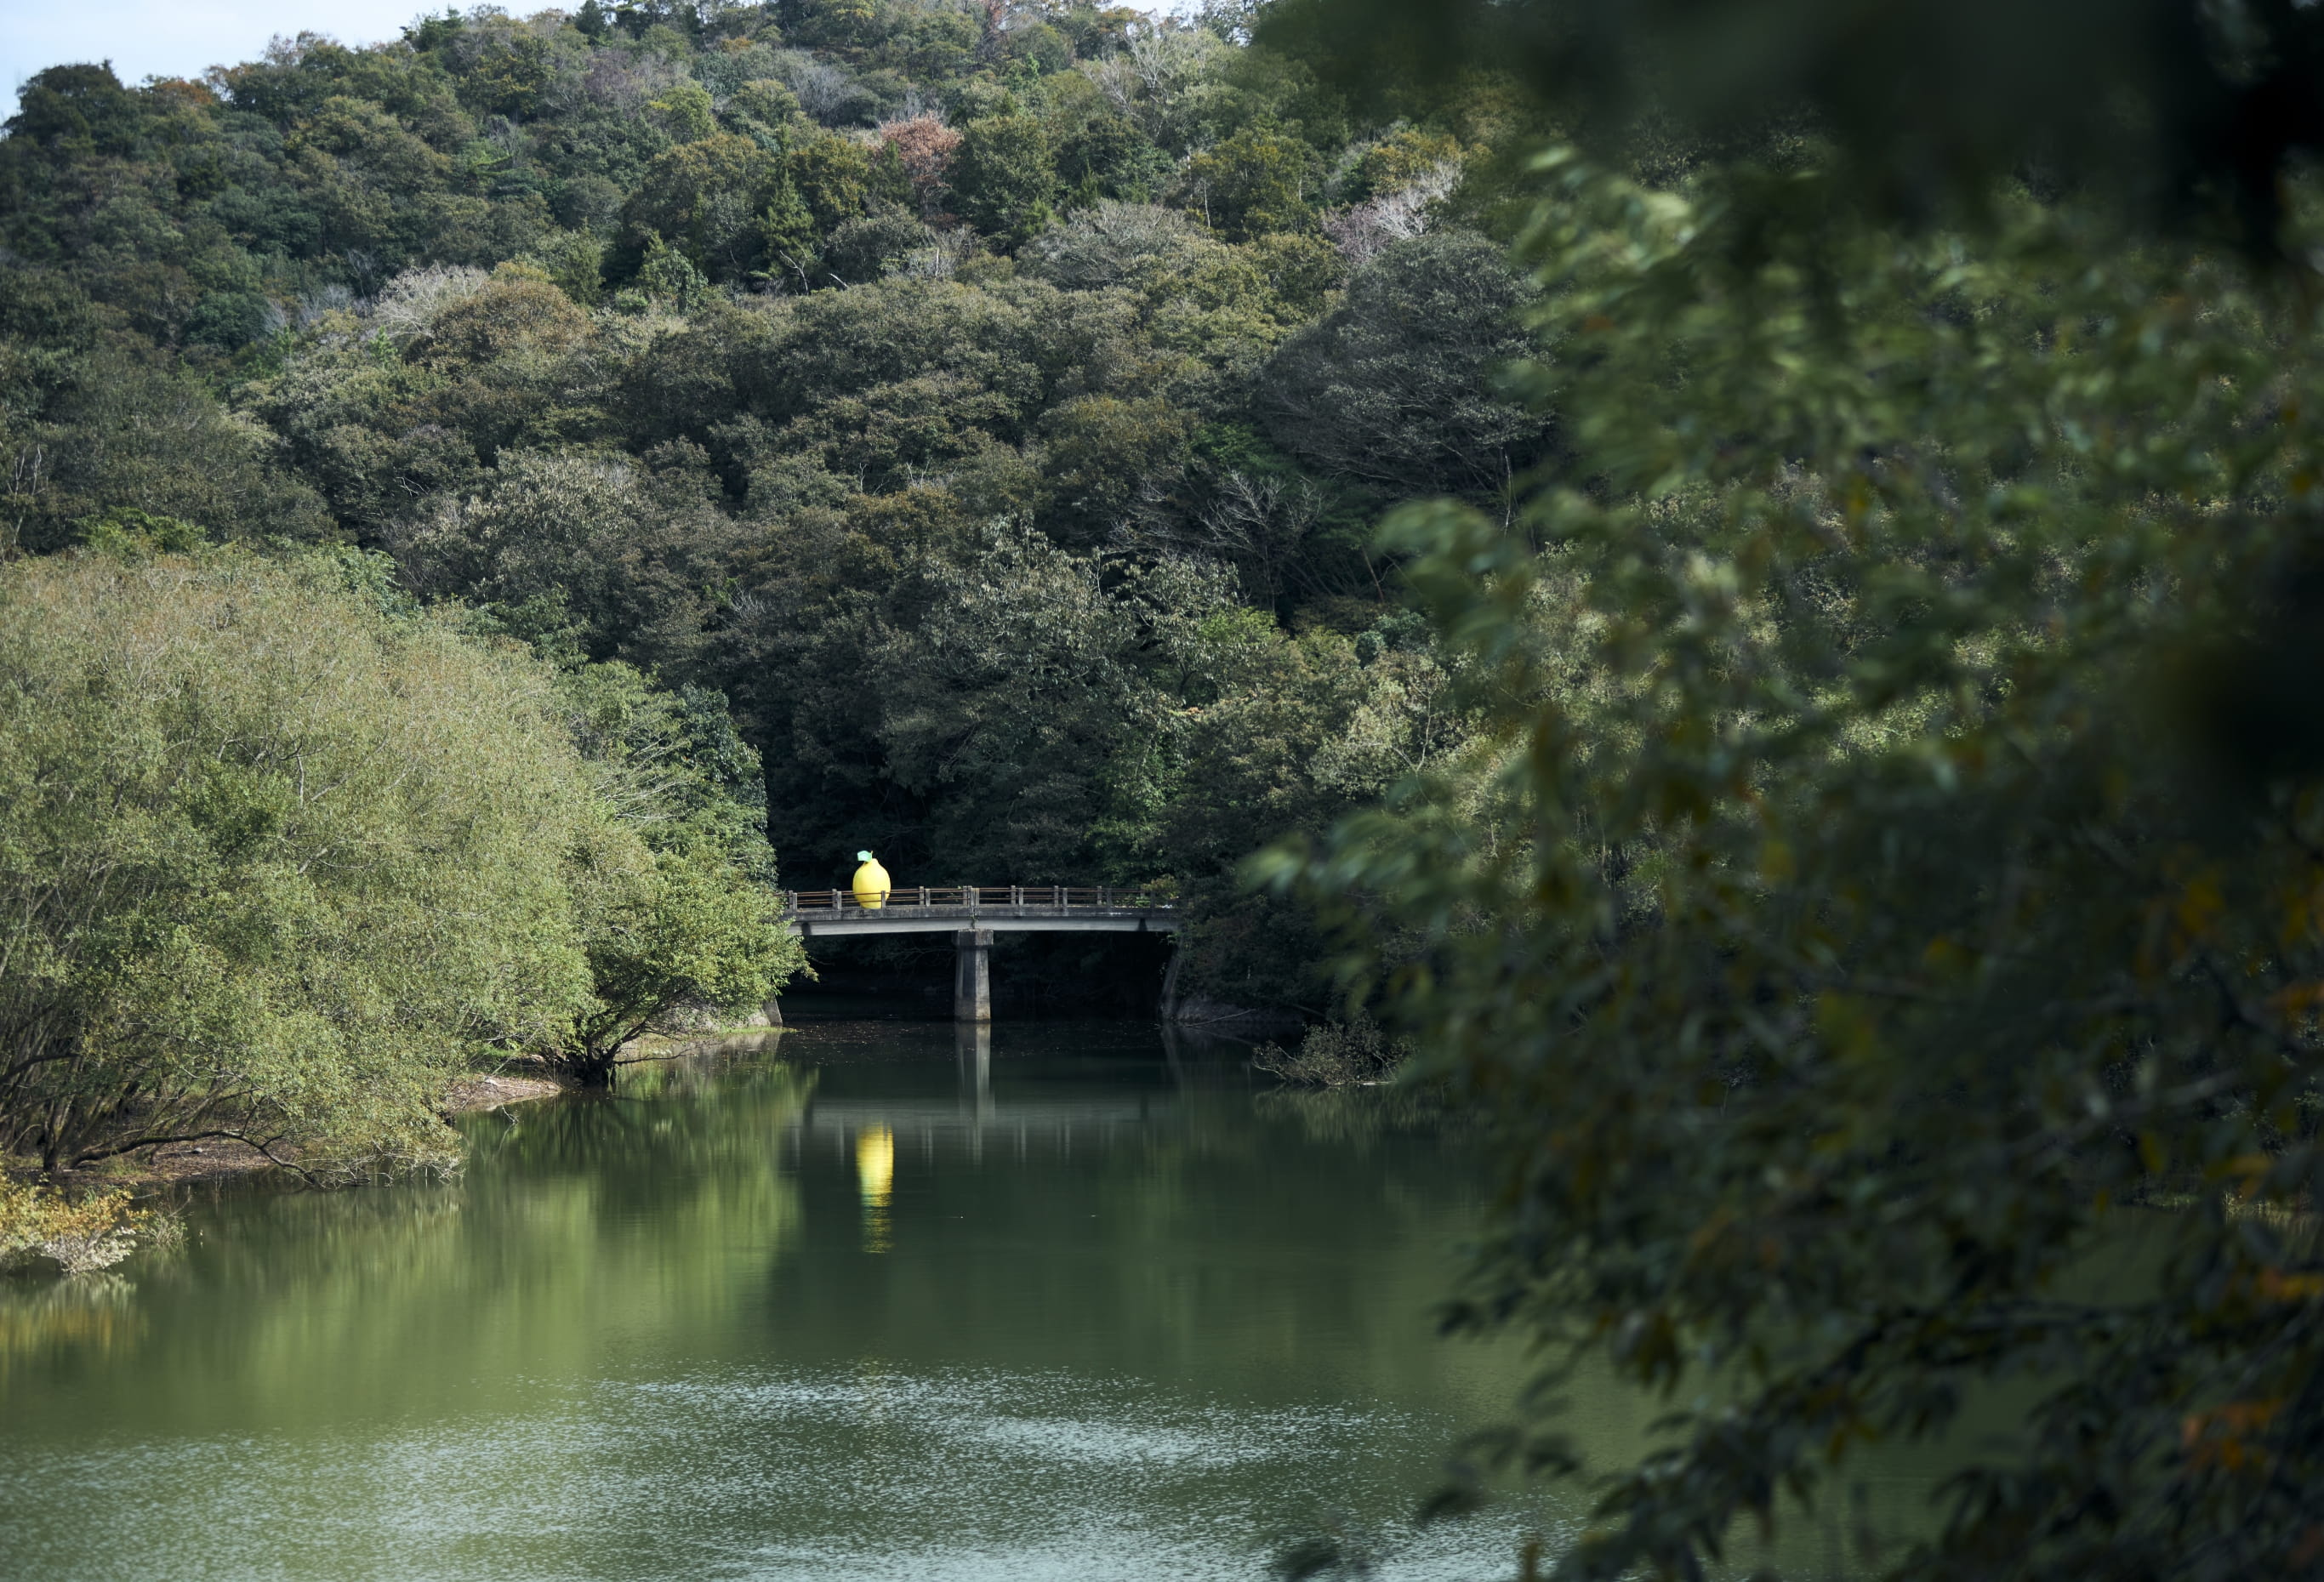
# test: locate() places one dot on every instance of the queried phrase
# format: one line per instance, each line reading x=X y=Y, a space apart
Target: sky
x=177 y=38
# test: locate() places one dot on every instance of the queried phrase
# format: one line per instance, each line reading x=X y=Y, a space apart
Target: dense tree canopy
x=280 y=857
x=903 y=371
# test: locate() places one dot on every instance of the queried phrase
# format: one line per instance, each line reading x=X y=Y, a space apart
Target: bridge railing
x=980 y=898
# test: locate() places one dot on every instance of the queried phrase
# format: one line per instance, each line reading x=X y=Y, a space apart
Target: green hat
x=863 y=857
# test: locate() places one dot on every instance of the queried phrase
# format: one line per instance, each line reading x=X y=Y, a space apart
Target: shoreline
x=172 y=1164
x=521 y=1081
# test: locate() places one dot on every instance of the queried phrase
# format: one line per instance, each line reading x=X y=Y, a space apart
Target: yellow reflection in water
x=875 y=1176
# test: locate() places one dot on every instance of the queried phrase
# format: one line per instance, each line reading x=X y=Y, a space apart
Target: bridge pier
x=972 y=914
x=972 y=976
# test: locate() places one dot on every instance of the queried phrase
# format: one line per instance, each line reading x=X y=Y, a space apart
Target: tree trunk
x=591 y=1069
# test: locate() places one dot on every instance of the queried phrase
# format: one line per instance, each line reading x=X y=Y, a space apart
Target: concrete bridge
x=972 y=914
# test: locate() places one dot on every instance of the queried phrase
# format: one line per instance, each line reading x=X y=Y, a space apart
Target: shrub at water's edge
x=1337 y=1054
x=79 y=1234
x=279 y=858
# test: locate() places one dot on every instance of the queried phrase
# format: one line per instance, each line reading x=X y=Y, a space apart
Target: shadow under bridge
x=972 y=914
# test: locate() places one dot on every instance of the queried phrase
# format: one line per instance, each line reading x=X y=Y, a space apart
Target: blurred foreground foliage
x=1890 y=852
x=2176 y=112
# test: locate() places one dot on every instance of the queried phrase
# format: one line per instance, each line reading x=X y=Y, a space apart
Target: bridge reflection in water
x=874 y=1131
x=973 y=913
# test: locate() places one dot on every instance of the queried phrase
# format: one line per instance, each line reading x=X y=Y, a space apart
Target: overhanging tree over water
x=282 y=854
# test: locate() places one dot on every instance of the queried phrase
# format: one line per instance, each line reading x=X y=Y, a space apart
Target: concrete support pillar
x=972 y=978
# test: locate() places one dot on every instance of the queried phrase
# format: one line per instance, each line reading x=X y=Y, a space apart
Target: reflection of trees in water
x=93 y=1313
x=664 y=1122
x=1359 y=1118
x=651 y=1211
x=1245 y=1244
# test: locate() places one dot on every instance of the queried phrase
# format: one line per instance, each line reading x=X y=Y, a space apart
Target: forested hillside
x=992 y=402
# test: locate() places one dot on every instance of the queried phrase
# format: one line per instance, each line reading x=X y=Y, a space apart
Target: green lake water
x=860 y=1301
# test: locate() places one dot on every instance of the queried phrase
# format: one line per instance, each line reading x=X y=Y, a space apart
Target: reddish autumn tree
x=924 y=145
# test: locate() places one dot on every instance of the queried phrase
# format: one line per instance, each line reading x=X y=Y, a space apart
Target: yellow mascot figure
x=872 y=885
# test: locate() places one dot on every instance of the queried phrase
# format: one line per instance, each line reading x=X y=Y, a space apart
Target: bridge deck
x=1013 y=908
